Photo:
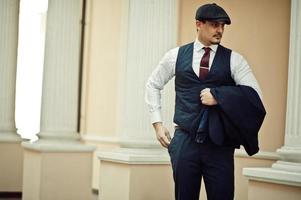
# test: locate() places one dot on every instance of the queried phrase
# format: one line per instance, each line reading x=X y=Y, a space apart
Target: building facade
x=95 y=126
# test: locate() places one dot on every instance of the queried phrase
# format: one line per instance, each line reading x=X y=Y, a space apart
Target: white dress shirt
x=165 y=70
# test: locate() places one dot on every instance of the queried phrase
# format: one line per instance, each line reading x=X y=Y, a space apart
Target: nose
x=220 y=28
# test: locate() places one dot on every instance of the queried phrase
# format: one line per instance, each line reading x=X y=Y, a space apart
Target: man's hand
x=207 y=98
x=162 y=134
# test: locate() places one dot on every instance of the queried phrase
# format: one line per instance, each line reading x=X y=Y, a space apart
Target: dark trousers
x=192 y=161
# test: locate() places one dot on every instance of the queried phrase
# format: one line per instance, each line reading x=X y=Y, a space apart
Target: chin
x=216 y=42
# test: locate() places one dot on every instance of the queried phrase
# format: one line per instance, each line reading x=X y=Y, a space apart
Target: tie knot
x=207 y=49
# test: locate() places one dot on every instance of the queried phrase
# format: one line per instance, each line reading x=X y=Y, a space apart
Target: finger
x=204 y=93
x=163 y=144
x=168 y=136
x=205 y=90
x=165 y=141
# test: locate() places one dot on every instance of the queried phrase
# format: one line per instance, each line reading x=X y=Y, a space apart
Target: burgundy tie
x=204 y=65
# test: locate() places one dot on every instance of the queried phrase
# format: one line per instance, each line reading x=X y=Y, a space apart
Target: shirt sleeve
x=164 y=71
x=242 y=73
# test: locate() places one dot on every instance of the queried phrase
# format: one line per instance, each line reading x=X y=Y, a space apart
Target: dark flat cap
x=212 y=12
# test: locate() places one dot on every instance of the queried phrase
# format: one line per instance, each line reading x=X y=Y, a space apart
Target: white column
x=59 y=111
x=288 y=169
x=11 y=152
x=59 y=154
x=9 y=18
x=292 y=146
x=151 y=31
x=291 y=151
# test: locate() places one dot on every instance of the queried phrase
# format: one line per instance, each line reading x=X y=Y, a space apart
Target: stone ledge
x=58 y=146
x=273 y=176
x=135 y=156
x=9 y=137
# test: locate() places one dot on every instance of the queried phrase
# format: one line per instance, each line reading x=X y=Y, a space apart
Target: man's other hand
x=162 y=134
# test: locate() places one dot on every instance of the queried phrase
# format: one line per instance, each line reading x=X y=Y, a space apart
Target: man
x=205 y=74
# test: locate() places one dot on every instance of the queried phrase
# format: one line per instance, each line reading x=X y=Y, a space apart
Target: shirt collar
x=198 y=46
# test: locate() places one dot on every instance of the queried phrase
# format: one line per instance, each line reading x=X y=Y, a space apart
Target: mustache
x=218 y=34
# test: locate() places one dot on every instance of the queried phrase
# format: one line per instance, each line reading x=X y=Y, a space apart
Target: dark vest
x=188 y=85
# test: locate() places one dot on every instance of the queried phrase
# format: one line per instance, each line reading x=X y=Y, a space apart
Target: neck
x=205 y=43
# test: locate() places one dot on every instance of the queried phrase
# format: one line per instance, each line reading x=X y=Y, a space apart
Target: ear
x=198 y=24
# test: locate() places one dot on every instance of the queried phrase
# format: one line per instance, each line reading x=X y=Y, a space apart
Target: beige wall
x=11 y=156
x=56 y=175
x=260 y=32
x=102 y=62
x=263 y=191
x=135 y=181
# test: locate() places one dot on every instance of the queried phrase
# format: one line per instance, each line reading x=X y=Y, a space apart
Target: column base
x=273 y=176
x=57 y=170
x=284 y=175
x=11 y=158
x=136 y=174
x=10 y=136
x=59 y=136
x=258 y=190
x=273 y=183
x=292 y=154
x=243 y=160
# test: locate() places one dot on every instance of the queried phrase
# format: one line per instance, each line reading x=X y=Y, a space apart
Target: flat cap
x=212 y=12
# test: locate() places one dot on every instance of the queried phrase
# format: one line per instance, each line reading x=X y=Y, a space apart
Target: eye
x=214 y=24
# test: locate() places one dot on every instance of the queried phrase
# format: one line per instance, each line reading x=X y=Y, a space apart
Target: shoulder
x=170 y=56
x=237 y=58
x=187 y=46
x=237 y=55
x=239 y=63
x=173 y=51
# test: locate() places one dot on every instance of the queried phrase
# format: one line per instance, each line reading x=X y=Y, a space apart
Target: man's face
x=210 y=32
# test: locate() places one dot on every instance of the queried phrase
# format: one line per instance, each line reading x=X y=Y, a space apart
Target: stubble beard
x=216 y=39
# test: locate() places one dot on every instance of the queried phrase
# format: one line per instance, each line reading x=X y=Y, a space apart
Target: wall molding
x=268 y=155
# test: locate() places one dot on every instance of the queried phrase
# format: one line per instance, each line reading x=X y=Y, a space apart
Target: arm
x=164 y=71
x=242 y=73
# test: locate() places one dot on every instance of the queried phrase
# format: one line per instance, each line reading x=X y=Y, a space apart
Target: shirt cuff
x=156 y=116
